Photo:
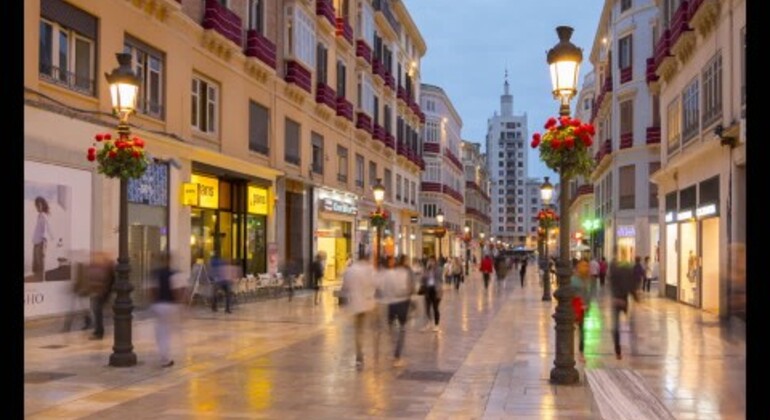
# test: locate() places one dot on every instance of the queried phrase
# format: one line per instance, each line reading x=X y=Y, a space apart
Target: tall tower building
x=507 y=165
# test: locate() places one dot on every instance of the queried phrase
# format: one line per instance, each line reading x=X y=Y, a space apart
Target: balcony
x=401 y=94
x=344 y=108
x=224 y=21
x=401 y=150
x=704 y=15
x=626 y=74
x=364 y=122
x=258 y=46
x=390 y=141
x=680 y=22
x=299 y=75
x=420 y=162
x=455 y=161
x=653 y=135
x=378 y=132
x=344 y=30
x=383 y=6
x=650 y=71
x=378 y=68
x=363 y=50
x=607 y=86
x=446 y=189
x=426 y=186
x=326 y=96
x=585 y=189
x=421 y=115
x=325 y=10
x=663 y=48
x=390 y=81
x=428 y=147
x=626 y=140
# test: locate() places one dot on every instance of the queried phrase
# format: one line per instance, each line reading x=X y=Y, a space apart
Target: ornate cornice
x=157 y=9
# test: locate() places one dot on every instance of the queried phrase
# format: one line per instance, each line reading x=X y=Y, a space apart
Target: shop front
x=334 y=232
x=626 y=243
x=229 y=216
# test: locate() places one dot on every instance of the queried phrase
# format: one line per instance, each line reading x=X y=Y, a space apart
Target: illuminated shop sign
x=684 y=215
x=334 y=206
x=707 y=210
x=626 y=231
x=257 y=203
x=208 y=191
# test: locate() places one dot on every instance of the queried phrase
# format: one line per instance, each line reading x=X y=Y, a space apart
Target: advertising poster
x=57 y=233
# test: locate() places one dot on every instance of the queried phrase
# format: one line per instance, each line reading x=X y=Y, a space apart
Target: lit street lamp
x=124 y=86
x=591 y=226
x=546 y=194
x=564 y=62
x=379 y=196
x=440 y=231
x=467 y=240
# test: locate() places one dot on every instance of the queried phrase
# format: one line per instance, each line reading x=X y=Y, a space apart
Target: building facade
x=698 y=69
x=443 y=181
x=274 y=117
x=627 y=132
x=477 y=200
x=507 y=151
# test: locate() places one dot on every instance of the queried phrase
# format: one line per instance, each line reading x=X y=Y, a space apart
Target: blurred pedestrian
x=580 y=282
x=167 y=292
x=623 y=285
x=594 y=269
x=602 y=271
x=639 y=273
x=647 y=274
x=523 y=271
x=101 y=278
x=317 y=275
x=397 y=287
x=456 y=272
x=433 y=292
x=486 y=269
x=223 y=276
x=358 y=288
x=80 y=290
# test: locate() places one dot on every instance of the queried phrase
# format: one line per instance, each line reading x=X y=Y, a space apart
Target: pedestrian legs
x=164 y=321
x=360 y=320
x=97 y=307
x=486 y=281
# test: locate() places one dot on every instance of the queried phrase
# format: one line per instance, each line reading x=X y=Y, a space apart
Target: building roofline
x=428 y=88
x=419 y=41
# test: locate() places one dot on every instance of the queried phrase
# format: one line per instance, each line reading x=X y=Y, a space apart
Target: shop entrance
x=710 y=263
x=689 y=263
x=334 y=240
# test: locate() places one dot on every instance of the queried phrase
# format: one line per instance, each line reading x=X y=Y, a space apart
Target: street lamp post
x=546 y=194
x=440 y=232
x=379 y=197
x=467 y=247
x=564 y=62
x=124 y=86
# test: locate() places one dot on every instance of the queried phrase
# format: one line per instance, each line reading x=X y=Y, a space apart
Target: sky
x=471 y=43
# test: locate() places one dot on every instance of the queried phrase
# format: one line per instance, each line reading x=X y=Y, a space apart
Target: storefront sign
x=707 y=210
x=208 y=191
x=626 y=231
x=257 y=200
x=684 y=215
x=669 y=217
x=334 y=206
x=189 y=194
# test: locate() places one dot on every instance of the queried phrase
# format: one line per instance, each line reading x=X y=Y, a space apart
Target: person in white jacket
x=359 y=284
x=397 y=288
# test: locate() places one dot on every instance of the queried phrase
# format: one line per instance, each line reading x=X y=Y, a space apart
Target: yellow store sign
x=189 y=194
x=208 y=191
x=257 y=200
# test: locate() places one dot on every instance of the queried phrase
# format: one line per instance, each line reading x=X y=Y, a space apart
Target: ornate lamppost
x=564 y=148
x=467 y=240
x=546 y=194
x=378 y=218
x=440 y=232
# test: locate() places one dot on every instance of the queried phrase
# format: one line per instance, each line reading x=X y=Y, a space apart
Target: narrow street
x=491 y=359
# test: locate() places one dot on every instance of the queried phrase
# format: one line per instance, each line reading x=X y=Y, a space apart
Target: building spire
x=506 y=99
x=506 y=81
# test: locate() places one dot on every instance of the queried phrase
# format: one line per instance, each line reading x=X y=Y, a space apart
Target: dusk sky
x=471 y=42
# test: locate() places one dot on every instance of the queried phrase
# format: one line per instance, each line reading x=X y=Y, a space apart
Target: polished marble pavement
x=295 y=360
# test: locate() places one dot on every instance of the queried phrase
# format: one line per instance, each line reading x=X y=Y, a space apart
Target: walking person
x=523 y=271
x=594 y=269
x=432 y=287
x=602 y=271
x=456 y=272
x=316 y=276
x=222 y=278
x=101 y=278
x=167 y=292
x=358 y=286
x=639 y=273
x=397 y=286
x=647 y=274
x=580 y=282
x=623 y=285
x=486 y=269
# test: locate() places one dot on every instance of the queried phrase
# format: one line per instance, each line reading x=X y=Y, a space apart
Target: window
x=342 y=164
x=205 y=104
x=655 y=110
x=653 y=167
x=627 y=187
x=386 y=118
x=317 y=142
x=627 y=117
x=429 y=210
x=258 y=128
x=365 y=94
x=501 y=219
x=322 y=69
x=257 y=16
x=291 y=152
x=625 y=5
x=398 y=187
x=625 y=56
x=372 y=173
x=67 y=47
x=359 y=171
x=342 y=72
x=148 y=65
x=388 y=183
x=366 y=23
x=300 y=30
x=690 y=111
x=712 y=91
x=673 y=129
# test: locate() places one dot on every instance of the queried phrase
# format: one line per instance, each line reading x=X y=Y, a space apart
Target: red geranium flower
x=112 y=153
x=99 y=137
x=564 y=120
x=138 y=142
x=569 y=142
x=108 y=136
x=550 y=123
x=555 y=144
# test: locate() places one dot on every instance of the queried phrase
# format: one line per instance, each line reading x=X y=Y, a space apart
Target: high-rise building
x=507 y=151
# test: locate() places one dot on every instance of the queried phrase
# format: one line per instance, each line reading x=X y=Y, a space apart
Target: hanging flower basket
x=547 y=218
x=123 y=158
x=565 y=146
x=379 y=218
